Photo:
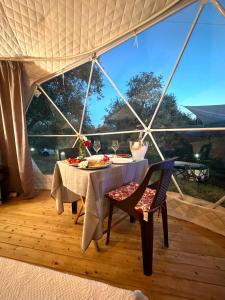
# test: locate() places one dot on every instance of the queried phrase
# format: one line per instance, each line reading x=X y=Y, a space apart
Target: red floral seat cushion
x=125 y=191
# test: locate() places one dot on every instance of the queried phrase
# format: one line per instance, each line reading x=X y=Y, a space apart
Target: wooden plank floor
x=192 y=268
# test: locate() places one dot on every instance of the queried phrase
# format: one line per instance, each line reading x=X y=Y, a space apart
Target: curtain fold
x=13 y=133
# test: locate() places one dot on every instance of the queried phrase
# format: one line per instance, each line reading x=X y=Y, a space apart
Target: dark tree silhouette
x=68 y=94
x=143 y=93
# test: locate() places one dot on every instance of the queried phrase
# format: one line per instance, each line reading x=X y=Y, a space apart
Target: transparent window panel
x=200 y=166
x=152 y=154
x=141 y=71
x=44 y=151
x=107 y=112
x=68 y=91
x=195 y=97
x=43 y=118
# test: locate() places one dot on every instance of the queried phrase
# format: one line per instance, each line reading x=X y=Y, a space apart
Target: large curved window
x=166 y=81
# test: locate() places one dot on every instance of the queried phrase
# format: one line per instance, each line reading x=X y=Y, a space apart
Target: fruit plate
x=98 y=157
x=73 y=164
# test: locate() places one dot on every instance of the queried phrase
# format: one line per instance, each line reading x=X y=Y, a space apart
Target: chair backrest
x=165 y=168
x=68 y=153
x=164 y=171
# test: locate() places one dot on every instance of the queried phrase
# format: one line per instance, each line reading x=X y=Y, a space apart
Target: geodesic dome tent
x=50 y=46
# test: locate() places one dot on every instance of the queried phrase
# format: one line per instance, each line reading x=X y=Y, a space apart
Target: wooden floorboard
x=192 y=268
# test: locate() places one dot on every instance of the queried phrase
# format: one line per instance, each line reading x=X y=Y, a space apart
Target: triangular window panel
x=43 y=118
x=200 y=163
x=142 y=65
x=152 y=154
x=44 y=151
x=68 y=92
x=107 y=111
x=195 y=97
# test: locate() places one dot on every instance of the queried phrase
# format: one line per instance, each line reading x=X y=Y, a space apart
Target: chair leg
x=109 y=223
x=74 y=208
x=147 y=244
x=165 y=225
x=96 y=246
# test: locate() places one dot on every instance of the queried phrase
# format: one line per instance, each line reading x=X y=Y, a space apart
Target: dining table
x=70 y=182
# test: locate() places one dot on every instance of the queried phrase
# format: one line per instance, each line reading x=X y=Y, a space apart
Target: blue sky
x=200 y=77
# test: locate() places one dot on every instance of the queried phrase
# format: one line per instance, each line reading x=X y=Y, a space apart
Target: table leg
x=74 y=208
x=80 y=213
x=96 y=245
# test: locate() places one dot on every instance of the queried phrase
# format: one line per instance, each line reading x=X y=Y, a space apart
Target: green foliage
x=143 y=94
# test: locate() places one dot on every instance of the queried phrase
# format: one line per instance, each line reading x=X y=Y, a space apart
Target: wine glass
x=97 y=146
x=115 y=145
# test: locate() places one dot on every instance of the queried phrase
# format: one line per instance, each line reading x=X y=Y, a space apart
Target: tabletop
x=69 y=182
x=185 y=164
x=192 y=171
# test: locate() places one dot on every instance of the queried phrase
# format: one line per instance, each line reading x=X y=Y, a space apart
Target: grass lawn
x=206 y=191
x=45 y=163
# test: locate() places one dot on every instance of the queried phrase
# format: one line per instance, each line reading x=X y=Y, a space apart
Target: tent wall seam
x=219 y=7
x=86 y=96
x=133 y=131
x=74 y=144
x=188 y=129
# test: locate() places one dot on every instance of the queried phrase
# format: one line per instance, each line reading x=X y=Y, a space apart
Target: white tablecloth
x=69 y=181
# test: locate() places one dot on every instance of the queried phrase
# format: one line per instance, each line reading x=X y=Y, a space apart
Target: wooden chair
x=68 y=153
x=65 y=153
x=141 y=202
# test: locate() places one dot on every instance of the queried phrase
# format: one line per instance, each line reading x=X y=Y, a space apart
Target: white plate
x=95 y=167
x=121 y=160
x=98 y=157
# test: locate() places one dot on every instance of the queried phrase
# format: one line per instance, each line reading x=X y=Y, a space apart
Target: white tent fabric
x=50 y=36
